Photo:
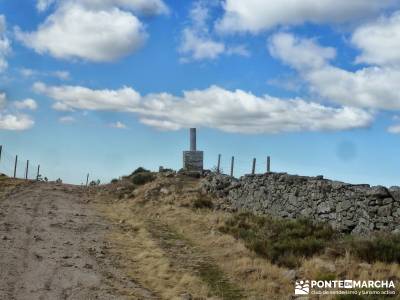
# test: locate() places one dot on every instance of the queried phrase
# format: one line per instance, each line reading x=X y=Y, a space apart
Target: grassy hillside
x=176 y=243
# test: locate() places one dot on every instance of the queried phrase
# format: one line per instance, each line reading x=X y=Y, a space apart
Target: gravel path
x=52 y=246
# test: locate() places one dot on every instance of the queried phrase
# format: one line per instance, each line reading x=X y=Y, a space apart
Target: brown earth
x=52 y=246
x=127 y=241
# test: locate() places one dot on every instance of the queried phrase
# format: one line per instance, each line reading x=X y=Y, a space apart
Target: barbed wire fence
x=232 y=166
x=20 y=167
x=16 y=166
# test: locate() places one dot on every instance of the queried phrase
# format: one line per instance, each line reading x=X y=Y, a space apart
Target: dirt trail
x=52 y=246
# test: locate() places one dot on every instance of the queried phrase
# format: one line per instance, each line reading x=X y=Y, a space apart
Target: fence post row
x=232 y=164
x=16 y=166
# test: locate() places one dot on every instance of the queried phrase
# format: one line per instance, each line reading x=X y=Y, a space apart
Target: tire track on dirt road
x=53 y=247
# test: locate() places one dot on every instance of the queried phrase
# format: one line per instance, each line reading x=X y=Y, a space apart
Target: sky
x=105 y=86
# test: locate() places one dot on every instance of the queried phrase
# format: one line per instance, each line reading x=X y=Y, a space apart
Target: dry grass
x=146 y=262
x=258 y=278
x=7 y=185
x=255 y=276
x=348 y=267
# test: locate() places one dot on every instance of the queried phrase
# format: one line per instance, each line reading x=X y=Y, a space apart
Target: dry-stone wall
x=358 y=209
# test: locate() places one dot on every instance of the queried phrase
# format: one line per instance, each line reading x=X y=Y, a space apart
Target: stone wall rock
x=358 y=209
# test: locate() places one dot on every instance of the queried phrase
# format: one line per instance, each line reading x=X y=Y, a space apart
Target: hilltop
x=163 y=236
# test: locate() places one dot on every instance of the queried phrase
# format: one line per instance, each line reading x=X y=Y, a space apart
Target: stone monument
x=193 y=159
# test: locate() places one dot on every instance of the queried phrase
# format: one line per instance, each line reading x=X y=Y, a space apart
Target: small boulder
x=186 y=296
x=164 y=191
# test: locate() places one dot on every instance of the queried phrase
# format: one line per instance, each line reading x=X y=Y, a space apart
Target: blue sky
x=106 y=86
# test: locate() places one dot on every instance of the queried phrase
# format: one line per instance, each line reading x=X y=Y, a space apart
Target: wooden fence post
x=268 y=164
x=232 y=164
x=219 y=164
x=15 y=166
x=27 y=169
x=87 y=179
x=37 y=175
x=253 y=170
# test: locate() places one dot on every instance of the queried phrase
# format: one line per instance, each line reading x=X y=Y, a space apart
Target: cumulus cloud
x=299 y=53
x=5 y=45
x=3 y=100
x=214 y=107
x=15 y=122
x=26 y=104
x=147 y=7
x=9 y=121
x=379 y=41
x=199 y=47
x=77 y=97
x=67 y=119
x=42 y=5
x=75 y=31
x=287 y=82
x=26 y=72
x=118 y=125
x=395 y=129
x=257 y=15
x=198 y=42
x=241 y=50
x=62 y=75
x=370 y=87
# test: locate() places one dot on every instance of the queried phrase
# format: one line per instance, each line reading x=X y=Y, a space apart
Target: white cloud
x=15 y=122
x=370 y=87
x=241 y=50
x=26 y=72
x=42 y=5
x=3 y=100
x=299 y=53
x=5 y=45
x=395 y=129
x=257 y=15
x=77 y=97
x=74 y=31
x=118 y=125
x=379 y=41
x=67 y=119
x=61 y=107
x=215 y=107
x=10 y=121
x=287 y=82
x=63 y=75
x=198 y=42
x=147 y=7
x=199 y=47
x=26 y=104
